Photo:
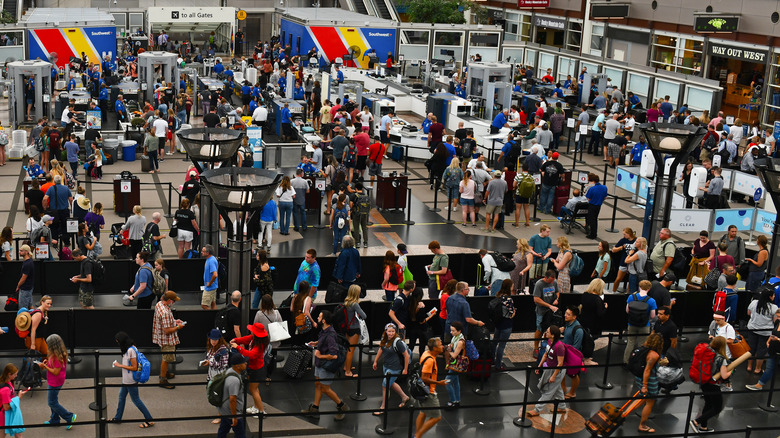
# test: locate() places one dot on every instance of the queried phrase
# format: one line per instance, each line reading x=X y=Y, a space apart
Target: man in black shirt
x=211 y=120
x=666 y=328
x=399 y=313
x=86 y=290
x=552 y=171
x=233 y=317
x=461 y=132
x=660 y=290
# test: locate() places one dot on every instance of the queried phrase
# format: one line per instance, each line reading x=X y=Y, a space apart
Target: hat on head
x=497 y=173
x=171 y=295
x=555 y=155
x=23 y=320
x=236 y=359
x=83 y=202
x=215 y=334
x=257 y=329
x=669 y=276
x=46 y=218
x=402 y=247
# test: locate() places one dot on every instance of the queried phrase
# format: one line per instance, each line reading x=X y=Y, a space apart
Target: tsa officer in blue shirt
x=426 y=124
x=246 y=95
x=460 y=90
x=121 y=111
x=596 y=195
x=72 y=84
x=103 y=103
x=219 y=68
x=339 y=76
x=567 y=82
x=518 y=87
x=499 y=122
x=557 y=91
x=282 y=85
x=286 y=119
x=298 y=93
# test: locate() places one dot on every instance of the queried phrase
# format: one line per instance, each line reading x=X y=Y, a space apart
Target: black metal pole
x=481 y=390
x=436 y=183
x=680 y=337
x=769 y=407
x=604 y=384
x=536 y=196
x=99 y=404
x=554 y=417
x=406 y=161
x=382 y=428
x=582 y=149
x=358 y=396
x=689 y=414
x=409 y=220
x=522 y=420
x=449 y=206
x=72 y=358
x=568 y=144
x=410 y=428
x=612 y=228
x=102 y=425
x=170 y=199
x=606 y=167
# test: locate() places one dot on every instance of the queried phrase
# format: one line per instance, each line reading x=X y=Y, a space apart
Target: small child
x=55 y=366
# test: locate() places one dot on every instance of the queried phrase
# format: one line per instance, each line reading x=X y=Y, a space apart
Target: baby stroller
x=671 y=375
x=120 y=242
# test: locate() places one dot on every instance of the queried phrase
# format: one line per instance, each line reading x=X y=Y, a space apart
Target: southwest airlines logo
x=378 y=34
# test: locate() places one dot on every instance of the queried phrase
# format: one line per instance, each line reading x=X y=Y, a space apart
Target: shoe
x=295 y=228
x=755 y=387
x=252 y=410
x=170 y=376
x=536 y=353
x=454 y=208
x=725 y=388
x=342 y=412
x=70 y=424
x=164 y=383
x=560 y=218
x=311 y=411
x=447 y=208
x=365 y=244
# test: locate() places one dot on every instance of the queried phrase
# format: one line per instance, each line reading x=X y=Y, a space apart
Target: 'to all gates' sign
x=533 y=3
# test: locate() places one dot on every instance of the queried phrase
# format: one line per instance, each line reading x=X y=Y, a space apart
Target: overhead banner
x=715 y=24
x=741 y=53
x=191 y=15
x=549 y=23
x=95 y=42
x=533 y=3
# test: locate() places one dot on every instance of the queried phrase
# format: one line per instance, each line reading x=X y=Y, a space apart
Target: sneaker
x=694 y=426
x=755 y=387
x=447 y=208
x=164 y=383
x=311 y=411
x=342 y=410
x=365 y=244
x=726 y=388
x=252 y=410
x=70 y=423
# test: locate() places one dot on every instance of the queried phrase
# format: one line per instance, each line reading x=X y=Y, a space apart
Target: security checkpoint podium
x=391 y=192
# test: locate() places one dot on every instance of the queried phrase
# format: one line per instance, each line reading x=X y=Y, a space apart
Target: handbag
x=711 y=279
x=739 y=347
x=302 y=323
x=365 y=339
x=478 y=201
x=441 y=280
x=174 y=232
x=277 y=331
x=460 y=364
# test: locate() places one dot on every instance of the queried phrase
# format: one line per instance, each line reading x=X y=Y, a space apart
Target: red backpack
x=719 y=302
x=398 y=278
x=701 y=366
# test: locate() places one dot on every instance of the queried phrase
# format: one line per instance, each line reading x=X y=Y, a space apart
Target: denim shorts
x=467 y=202
x=539 y=322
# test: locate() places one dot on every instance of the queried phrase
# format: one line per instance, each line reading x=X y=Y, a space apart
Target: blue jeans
x=563 y=212
x=239 y=430
x=25 y=298
x=390 y=295
x=771 y=364
x=754 y=280
x=546 y=198
x=299 y=216
x=256 y=299
x=495 y=286
x=499 y=337
x=595 y=142
x=556 y=141
x=153 y=163
x=453 y=388
x=338 y=234
x=633 y=283
x=581 y=142
x=285 y=211
x=57 y=411
x=133 y=391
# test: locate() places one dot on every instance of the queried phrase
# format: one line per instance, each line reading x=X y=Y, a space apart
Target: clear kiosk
x=148 y=73
x=40 y=73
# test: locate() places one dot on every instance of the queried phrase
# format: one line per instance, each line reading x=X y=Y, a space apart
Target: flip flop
x=646 y=430
x=531 y=414
x=376 y=413
x=216 y=421
x=569 y=397
x=405 y=402
x=146 y=425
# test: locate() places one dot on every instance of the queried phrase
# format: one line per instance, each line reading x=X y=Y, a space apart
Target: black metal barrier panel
x=96 y=328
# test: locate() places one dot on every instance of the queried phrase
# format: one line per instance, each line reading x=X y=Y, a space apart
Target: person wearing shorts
x=326 y=348
x=165 y=334
x=210 y=279
x=429 y=413
x=186 y=227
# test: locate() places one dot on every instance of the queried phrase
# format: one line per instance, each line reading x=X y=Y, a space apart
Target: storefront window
x=772 y=107
x=517 y=27
x=597 y=39
x=574 y=39
x=672 y=53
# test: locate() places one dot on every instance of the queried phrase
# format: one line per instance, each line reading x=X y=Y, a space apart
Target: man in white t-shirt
x=402 y=251
x=160 y=130
x=770 y=141
x=260 y=116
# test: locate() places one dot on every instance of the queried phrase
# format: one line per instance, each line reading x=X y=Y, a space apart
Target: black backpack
x=681 y=261
x=588 y=345
x=30 y=375
x=638 y=360
x=496 y=311
x=98 y=271
x=638 y=315
x=515 y=152
x=249 y=159
x=418 y=389
x=340 y=322
x=503 y=263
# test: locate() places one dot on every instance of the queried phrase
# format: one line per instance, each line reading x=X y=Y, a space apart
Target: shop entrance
x=740 y=72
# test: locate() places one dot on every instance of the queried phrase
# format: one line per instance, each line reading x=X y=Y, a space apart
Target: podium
x=391 y=192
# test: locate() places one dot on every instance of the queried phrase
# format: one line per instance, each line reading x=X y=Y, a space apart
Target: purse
x=365 y=338
x=277 y=331
x=711 y=279
x=441 y=280
x=302 y=323
x=460 y=364
x=174 y=232
x=739 y=347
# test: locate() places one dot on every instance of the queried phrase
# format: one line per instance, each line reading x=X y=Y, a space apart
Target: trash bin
x=179 y=146
x=128 y=150
x=111 y=150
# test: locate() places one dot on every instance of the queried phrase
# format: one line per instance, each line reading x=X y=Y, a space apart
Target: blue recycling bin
x=128 y=150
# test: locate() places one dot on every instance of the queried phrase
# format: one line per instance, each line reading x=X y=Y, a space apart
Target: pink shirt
x=6 y=394
x=362 y=141
x=58 y=380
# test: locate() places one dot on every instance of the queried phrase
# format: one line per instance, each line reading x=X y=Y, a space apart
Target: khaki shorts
x=208 y=297
x=492 y=209
x=538 y=269
x=432 y=401
x=168 y=353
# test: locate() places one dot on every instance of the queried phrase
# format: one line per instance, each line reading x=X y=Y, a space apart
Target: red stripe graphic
x=54 y=41
x=330 y=41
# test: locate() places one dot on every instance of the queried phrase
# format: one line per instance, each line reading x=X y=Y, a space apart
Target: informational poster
x=93 y=119
x=255 y=136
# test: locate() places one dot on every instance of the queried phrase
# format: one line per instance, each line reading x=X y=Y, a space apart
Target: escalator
x=381 y=8
x=360 y=7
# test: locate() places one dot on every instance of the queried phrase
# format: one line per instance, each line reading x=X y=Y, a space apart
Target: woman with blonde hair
x=467 y=188
x=57 y=169
x=353 y=312
x=635 y=262
x=523 y=259
x=452 y=177
x=55 y=365
x=286 y=194
x=623 y=247
x=593 y=307
x=394 y=350
x=562 y=264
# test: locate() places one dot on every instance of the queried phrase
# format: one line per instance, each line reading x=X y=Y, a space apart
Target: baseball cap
x=669 y=276
x=719 y=314
x=215 y=334
x=46 y=218
x=555 y=155
x=402 y=247
x=496 y=173
x=236 y=359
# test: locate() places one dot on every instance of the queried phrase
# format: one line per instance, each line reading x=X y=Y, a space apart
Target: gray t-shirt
x=300 y=186
x=544 y=137
x=496 y=189
x=338 y=144
x=761 y=323
x=638 y=265
x=716 y=186
x=127 y=376
x=610 y=129
x=317 y=156
x=584 y=118
x=391 y=357
x=232 y=387
x=547 y=292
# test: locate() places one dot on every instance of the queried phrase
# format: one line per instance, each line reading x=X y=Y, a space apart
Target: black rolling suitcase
x=609 y=418
x=297 y=362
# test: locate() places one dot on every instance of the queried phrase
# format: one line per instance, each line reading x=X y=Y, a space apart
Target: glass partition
x=615 y=74
x=698 y=99
x=772 y=112
x=413 y=51
x=566 y=67
x=448 y=40
x=640 y=86
x=485 y=44
x=512 y=54
x=415 y=37
x=546 y=60
x=414 y=44
x=530 y=57
x=667 y=88
x=592 y=68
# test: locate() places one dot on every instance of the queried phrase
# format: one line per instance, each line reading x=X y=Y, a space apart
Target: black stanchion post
x=358 y=396
x=604 y=384
x=409 y=220
x=680 y=337
x=620 y=340
x=410 y=429
x=554 y=417
x=582 y=149
x=522 y=420
x=536 y=196
x=436 y=183
x=481 y=390
x=406 y=162
x=382 y=428
x=606 y=166
x=99 y=404
x=101 y=427
x=748 y=431
x=170 y=199
x=72 y=358
x=449 y=206
x=769 y=407
x=260 y=425
x=689 y=414
x=611 y=228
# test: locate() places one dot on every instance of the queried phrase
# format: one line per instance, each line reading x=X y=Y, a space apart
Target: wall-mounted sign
x=607 y=11
x=550 y=23
x=715 y=24
x=741 y=53
x=533 y=3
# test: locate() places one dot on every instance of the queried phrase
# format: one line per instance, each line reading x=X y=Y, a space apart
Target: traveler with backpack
x=736 y=246
x=84 y=279
x=390 y=281
x=7 y=395
x=643 y=364
x=396 y=361
x=663 y=252
x=253 y=347
x=494 y=275
x=562 y=262
x=709 y=360
x=326 y=349
x=360 y=209
x=574 y=335
x=55 y=365
x=502 y=314
x=152 y=238
x=232 y=398
x=773 y=348
x=757 y=267
x=339 y=222
x=350 y=311
x=439 y=267
x=129 y=365
x=636 y=260
x=760 y=326
x=551 y=380
x=525 y=189
x=452 y=177
x=641 y=309
x=165 y=334
x=456 y=348
x=217 y=354
x=468 y=190
x=348 y=266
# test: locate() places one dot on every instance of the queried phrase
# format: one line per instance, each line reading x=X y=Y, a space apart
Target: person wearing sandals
x=354 y=311
x=551 y=379
x=129 y=365
x=266 y=315
x=648 y=382
x=256 y=343
x=217 y=355
x=396 y=361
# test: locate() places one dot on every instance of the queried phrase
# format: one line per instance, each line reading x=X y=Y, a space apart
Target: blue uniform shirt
x=298 y=93
x=252 y=106
x=119 y=106
x=558 y=91
x=340 y=76
x=103 y=94
x=517 y=89
x=246 y=90
x=72 y=84
x=426 y=124
x=460 y=92
x=499 y=121
x=286 y=116
x=567 y=84
x=282 y=83
x=219 y=68
x=596 y=194
x=256 y=91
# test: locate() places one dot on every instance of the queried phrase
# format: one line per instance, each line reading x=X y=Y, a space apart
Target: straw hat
x=23 y=321
x=83 y=202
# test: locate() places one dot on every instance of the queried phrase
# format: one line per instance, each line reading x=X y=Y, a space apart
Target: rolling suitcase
x=146 y=163
x=297 y=362
x=609 y=418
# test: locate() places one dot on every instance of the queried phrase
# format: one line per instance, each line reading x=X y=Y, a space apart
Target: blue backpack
x=471 y=350
x=144 y=367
